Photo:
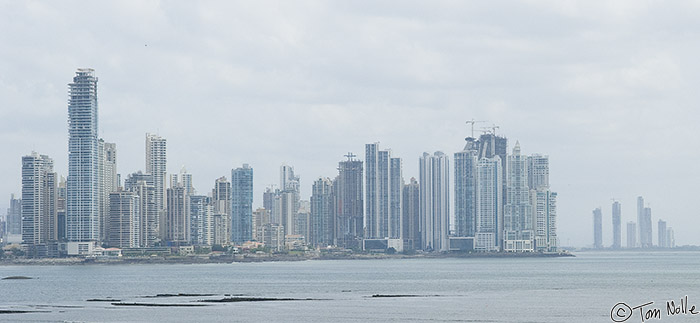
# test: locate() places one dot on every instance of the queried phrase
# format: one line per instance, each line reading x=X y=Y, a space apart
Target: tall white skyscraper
x=644 y=224
x=489 y=216
x=82 y=203
x=156 y=162
x=544 y=203
x=288 y=199
x=39 y=224
x=383 y=182
x=434 y=201
x=518 y=232
x=107 y=181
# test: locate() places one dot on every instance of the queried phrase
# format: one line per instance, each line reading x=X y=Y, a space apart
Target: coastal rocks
x=16 y=277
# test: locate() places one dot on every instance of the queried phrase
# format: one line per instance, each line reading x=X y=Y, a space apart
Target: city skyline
x=408 y=79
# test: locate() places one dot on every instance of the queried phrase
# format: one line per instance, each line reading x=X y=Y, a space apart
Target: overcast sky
x=607 y=89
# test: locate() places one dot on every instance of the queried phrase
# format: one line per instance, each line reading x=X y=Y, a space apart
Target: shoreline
x=248 y=258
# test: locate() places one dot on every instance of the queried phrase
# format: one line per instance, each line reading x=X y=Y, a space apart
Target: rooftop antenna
x=350 y=155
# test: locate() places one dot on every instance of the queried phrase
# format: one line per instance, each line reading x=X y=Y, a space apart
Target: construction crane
x=472 y=122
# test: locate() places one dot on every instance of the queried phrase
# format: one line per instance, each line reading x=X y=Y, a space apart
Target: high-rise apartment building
x=518 y=222
x=221 y=198
x=617 y=225
x=177 y=224
x=322 y=222
x=465 y=189
x=411 y=215
x=434 y=201
x=383 y=183
x=644 y=224
x=489 y=212
x=662 y=232
x=597 y=228
x=201 y=220
x=106 y=182
x=14 y=216
x=143 y=186
x=39 y=223
x=156 y=162
x=288 y=199
x=545 y=216
x=349 y=203
x=82 y=204
x=242 y=204
x=125 y=219
x=631 y=234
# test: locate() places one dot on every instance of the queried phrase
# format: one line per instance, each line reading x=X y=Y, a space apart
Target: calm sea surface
x=581 y=289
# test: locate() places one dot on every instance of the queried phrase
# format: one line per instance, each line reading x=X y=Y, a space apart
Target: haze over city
x=606 y=90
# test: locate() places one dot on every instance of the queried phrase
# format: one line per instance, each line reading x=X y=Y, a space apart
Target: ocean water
x=580 y=289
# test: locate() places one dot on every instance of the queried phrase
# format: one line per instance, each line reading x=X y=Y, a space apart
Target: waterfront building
x=301 y=221
x=383 y=183
x=143 y=186
x=14 y=216
x=124 y=220
x=631 y=234
x=662 y=232
x=39 y=223
x=411 y=215
x=465 y=189
x=82 y=204
x=489 y=213
x=617 y=225
x=261 y=216
x=322 y=221
x=518 y=222
x=349 y=203
x=434 y=201
x=670 y=238
x=156 y=162
x=288 y=199
x=177 y=224
x=106 y=183
x=221 y=199
x=272 y=236
x=242 y=204
x=597 y=228
x=201 y=220
x=545 y=217
x=644 y=224
x=61 y=209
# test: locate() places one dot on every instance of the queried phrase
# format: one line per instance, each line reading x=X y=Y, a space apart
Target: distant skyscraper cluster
x=639 y=234
x=501 y=202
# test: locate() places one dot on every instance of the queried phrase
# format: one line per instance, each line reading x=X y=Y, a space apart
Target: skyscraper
x=434 y=201
x=289 y=198
x=107 y=182
x=411 y=215
x=644 y=224
x=221 y=198
x=465 y=189
x=201 y=220
x=349 y=203
x=156 y=162
x=617 y=225
x=177 y=223
x=242 y=204
x=14 y=216
x=597 y=228
x=518 y=222
x=82 y=204
x=383 y=181
x=125 y=219
x=489 y=213
x=631 y=234
x=322 y=222
x=142 y=185
x=39 y=224
x=663 y=240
